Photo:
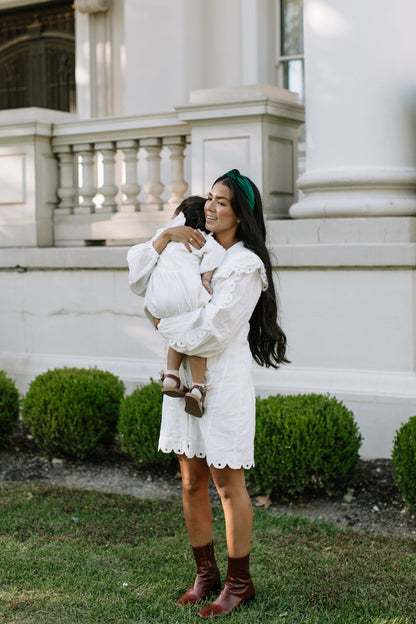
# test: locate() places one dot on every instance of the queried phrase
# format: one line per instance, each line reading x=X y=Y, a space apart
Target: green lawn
x=75 y=557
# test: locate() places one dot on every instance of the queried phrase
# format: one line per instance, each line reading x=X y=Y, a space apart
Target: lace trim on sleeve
x=248 y=265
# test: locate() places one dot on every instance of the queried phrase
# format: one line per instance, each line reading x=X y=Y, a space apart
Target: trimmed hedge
x=139 y=424
x=9 y=405
x=71 y=411
x=404 y=460
x=303 y=442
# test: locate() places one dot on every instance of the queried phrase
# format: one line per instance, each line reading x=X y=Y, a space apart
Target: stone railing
x=71 y=182
x=115 y=175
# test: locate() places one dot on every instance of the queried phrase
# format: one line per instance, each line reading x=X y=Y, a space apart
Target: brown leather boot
x=238 y=589
x=207 y=578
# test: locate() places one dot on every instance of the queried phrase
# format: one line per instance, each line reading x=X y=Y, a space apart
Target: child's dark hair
x=193 y=210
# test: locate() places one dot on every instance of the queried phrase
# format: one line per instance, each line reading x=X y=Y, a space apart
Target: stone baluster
x=130 y=188
x=177 y=186
x=153 y=186
x=66 y=189
x=87 y=189
x=108 y=189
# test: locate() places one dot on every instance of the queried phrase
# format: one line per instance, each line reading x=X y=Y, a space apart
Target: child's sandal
x=177 y=391
x=193 y=404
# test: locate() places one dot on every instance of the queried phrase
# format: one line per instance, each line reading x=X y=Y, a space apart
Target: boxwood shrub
x=138 y=427
x=9 y=406
x=404 y=460
x=71 y=411
x=303 y=442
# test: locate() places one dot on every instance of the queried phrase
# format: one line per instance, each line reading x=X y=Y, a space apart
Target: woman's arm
x=179 y=234
x=208 y=330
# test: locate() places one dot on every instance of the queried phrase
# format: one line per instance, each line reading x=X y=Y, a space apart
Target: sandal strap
x=202 y=389
x=164 y=375
x=174 y=377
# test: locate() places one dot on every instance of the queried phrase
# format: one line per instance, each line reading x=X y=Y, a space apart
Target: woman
x=238 y=324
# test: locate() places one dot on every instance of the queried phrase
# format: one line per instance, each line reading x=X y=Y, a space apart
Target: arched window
x=37 y=56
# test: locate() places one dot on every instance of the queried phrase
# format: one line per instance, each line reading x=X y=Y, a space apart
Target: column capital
x=93 y=6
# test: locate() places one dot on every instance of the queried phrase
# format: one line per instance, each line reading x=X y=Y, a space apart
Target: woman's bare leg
x=238 y=510
x=195 y=498
x=238 y=588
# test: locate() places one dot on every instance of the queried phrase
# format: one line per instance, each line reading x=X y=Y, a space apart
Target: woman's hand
x=180 y=234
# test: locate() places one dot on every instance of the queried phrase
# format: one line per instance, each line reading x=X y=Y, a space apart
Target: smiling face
x=220 y=217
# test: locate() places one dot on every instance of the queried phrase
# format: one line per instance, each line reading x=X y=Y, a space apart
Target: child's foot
x=194 y=400
x=172 y=385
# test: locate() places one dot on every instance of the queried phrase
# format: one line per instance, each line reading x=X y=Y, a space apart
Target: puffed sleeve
x=143 y=258
x=208 y=330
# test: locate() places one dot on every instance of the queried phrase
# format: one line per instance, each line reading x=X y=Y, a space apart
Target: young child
x=181 y=282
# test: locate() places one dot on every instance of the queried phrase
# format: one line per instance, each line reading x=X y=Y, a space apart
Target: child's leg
x=171 y=384
x=174 y=359
x=194 y=400
x=198 y=366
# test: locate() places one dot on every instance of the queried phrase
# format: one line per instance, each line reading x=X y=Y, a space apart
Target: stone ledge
x=360 y=256
x=301 y=256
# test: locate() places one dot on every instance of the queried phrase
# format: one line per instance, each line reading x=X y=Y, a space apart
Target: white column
x=100 y=64
x=360 y=109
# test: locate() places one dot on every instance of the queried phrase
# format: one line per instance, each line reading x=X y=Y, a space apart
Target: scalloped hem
x=202 y=455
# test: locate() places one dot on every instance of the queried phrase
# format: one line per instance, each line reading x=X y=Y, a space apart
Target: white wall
x=350 y=331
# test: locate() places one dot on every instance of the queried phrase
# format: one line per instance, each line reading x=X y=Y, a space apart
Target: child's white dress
x=218 y=331
x=174 y=284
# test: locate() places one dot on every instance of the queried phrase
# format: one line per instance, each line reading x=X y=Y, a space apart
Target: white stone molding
x=93 y=6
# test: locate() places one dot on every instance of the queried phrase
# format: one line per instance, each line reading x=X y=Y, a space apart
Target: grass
x=75 y=557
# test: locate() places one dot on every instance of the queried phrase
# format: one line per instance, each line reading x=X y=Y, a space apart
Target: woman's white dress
x=218 y=331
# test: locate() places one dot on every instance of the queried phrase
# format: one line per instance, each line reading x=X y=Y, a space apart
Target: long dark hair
x=266 y=338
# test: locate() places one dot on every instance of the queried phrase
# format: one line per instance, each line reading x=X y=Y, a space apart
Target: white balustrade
x=117 y=177
x=127 y=173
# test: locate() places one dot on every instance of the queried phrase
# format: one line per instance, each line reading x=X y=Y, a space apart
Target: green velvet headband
x=244 y=184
